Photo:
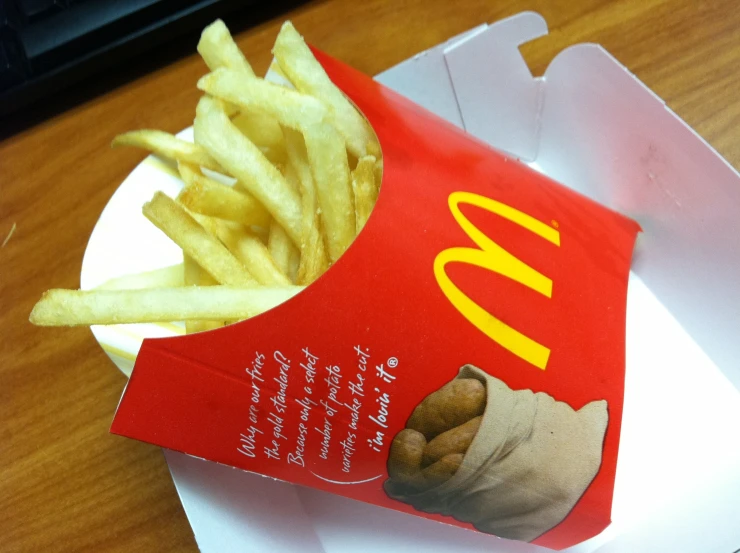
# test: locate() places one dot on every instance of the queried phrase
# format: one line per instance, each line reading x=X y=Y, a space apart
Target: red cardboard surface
x=468 y=258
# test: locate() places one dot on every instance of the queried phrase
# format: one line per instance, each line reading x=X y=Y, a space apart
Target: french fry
x=289 y=107
x=218 y=49
x=378 y=172
x=281 y=248
x=166 y=145
x=262 y=130
x=269 y=198
x=363 y=186
x=291 y=176
x=89 y=307
x=330 y=169
x=165 y=277
x=253 y=253
x=265 y=132
x=189 y=173
x=306 y=73
x=313 y=261
x=293 y=256
x=278 y=76
x=210 y=224
x=217 y=134
x=263 y=233
x=208 y=197
x=193 y=327
x=294 y=262
x=195 y=276
x=191 y=270
x=195 y=241
x=206 y=279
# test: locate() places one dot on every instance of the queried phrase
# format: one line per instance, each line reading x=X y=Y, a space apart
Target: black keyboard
x=47 y=45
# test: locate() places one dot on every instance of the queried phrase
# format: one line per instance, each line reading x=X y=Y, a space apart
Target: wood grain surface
x=65 y=483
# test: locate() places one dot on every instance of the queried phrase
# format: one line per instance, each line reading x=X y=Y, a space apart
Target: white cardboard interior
x=591 y=125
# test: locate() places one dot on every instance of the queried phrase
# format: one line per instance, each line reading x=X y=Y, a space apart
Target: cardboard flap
x=499 y=101
x=589 y=123
x=429 y=67
x=637 y=156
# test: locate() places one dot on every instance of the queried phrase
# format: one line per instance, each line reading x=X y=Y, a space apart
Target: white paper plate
x=125 y=242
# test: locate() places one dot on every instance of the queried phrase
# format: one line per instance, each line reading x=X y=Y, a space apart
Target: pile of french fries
x=279 y=181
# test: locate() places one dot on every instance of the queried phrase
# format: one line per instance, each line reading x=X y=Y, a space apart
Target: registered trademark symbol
x=393 y=362
x=555 y=223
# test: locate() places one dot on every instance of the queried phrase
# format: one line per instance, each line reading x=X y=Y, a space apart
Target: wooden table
x=65 y=483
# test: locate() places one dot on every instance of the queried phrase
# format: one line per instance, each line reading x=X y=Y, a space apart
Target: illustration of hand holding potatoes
x=511 y=462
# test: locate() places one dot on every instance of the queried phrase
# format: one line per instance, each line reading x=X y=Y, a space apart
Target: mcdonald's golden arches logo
x=493 y=257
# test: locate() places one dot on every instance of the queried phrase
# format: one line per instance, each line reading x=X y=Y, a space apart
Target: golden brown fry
x=291 y=176
x=378 y=173
x=206 y=279
x=187 y=171
x=210 y=224
x=192 y=271
x=195 y=241
x=278 y=241
x=218 y=49
x=167 y=145
x=263 y=233
x=289 y=107
x=330 y=169
x=281 y=248
x=169 y=276
x=253 y=253
x=208 y=197
x=201 y=326
x=190 y=173
x=192 y=327
x=278 y=76
x=293 y=264
x=217 y=134
x=313 y=195
x=192 y=278
x=363 y=186
x=265 y=132
x=88 y=307
x=196 y=276
x=314 y=260
x=306 y=73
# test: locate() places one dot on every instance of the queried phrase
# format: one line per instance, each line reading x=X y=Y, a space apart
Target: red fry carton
x=463 y=361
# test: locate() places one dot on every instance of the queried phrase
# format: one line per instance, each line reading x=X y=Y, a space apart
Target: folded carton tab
x=499 y=101
x=354 y=386
x=637 y=156
x=430 y=67
x=589 y=123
